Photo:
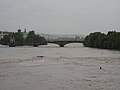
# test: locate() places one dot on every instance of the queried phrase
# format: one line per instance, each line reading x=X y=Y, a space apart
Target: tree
x=111 y=40
x=94 y=40
x=19 y=37
x=30 y=37
x=33 y=38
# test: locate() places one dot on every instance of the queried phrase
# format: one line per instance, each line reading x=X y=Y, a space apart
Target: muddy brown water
x=50 y=67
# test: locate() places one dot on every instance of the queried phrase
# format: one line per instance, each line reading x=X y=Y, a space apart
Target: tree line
x=111 y=40
x=21 y=39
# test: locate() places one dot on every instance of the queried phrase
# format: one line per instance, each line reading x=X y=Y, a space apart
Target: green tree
x=19 y=37
x=111 y=40
x=33 y=38
x=30 y=37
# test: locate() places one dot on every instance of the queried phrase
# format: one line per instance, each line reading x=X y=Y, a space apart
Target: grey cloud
x=60 y=16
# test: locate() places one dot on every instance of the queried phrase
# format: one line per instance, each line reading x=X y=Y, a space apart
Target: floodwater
x=51 y=67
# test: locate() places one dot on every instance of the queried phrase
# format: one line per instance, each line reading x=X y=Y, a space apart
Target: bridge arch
x=63 y=43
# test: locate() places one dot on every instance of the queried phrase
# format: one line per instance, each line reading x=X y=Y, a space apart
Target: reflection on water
x=53 y=50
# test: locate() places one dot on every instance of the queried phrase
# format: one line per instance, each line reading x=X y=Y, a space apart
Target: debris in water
x=40 y=56
x=106 y=61
x=90 y=85
x=20 y=60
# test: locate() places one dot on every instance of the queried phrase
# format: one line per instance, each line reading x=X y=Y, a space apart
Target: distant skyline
x=60 y=16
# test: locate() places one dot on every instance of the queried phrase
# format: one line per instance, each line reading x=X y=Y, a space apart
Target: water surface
x=72 y=67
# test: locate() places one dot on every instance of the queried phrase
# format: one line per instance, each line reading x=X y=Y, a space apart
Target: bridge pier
x=12 y=45
x=35 y=45
x=61 y=45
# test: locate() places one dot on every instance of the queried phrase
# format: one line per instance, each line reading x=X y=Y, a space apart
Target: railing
x=66 y=39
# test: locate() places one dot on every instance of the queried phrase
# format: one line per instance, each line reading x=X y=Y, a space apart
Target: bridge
x=62 y=41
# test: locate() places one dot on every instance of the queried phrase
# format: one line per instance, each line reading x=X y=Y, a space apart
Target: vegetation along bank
x=111 y=40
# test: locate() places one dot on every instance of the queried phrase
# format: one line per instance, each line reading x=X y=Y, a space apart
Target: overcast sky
x=60 y=16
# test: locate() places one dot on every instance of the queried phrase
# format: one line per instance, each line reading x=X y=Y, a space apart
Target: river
x=50 y=67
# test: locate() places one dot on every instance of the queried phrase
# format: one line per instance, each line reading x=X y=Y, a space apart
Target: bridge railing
x=66 y=39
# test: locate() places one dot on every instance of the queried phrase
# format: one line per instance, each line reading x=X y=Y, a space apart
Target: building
x=3 y=33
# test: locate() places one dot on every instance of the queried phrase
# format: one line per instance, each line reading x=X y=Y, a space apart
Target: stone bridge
x=63 y=41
